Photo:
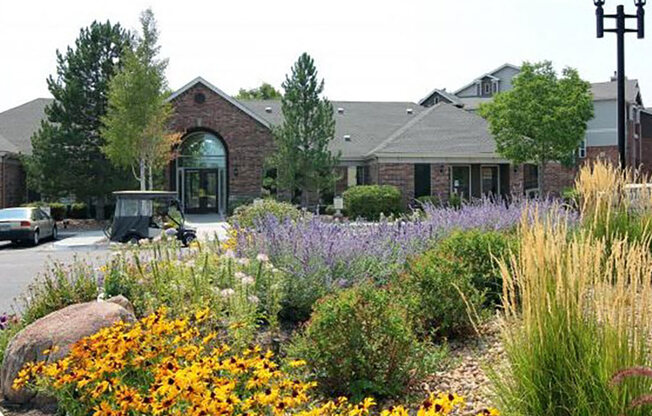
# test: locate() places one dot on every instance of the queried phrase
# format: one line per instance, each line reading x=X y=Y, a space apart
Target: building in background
x=436 y=147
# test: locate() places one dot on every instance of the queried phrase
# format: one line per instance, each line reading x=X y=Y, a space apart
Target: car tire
x=35 y=239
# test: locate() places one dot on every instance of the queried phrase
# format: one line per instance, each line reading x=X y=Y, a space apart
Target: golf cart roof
x=145 y=194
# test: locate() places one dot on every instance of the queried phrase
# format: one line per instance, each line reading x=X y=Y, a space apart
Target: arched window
x=202 y=150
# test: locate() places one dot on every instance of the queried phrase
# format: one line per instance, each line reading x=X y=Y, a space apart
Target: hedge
x=370 y=201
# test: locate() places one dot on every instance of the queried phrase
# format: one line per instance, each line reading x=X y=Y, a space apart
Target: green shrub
x=59 y=287
x=236 y=203
x=571 y=196
x=370 y=201
x=454 y=201
x=57 y=209
x=6 y=335
x=477 y=252
x=78 y=210
x=247 y=215
x=360 y=342
x=440 y=291
x=428 y=200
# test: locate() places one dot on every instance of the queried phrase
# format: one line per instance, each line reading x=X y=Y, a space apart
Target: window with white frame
x=581 y=151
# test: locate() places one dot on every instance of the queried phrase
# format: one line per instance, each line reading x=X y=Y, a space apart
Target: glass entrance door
x=200 y=189
x=490 y=183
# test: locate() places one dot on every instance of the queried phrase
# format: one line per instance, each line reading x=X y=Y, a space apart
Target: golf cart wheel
x=188 y=239
x=132 y=239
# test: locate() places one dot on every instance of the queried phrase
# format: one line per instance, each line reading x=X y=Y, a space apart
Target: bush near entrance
x=249 y=215
x=369 y=201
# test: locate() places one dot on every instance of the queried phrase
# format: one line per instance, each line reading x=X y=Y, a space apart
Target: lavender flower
x=334 y=252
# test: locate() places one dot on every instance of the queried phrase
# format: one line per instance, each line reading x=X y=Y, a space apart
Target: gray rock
x=59 y=329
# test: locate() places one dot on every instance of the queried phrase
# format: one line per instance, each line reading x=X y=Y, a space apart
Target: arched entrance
x=201 y=174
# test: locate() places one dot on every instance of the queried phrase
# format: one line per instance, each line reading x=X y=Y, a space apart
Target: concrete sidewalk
x=82 y=240
x=209 y=226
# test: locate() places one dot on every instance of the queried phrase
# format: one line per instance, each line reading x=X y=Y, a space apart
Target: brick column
x=400 y=175
x=440 y=181
x=516 y=180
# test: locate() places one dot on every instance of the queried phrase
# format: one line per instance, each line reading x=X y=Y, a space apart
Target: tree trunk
x=99 y=208
x=151 y=184
x=541 y=178
x=142 y=177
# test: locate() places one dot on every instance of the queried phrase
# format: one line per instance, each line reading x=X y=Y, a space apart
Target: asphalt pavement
x=20 y=265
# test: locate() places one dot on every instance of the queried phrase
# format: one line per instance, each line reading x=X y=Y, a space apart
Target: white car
x=30 y=224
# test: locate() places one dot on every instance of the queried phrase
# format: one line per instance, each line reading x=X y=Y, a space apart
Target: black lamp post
x=620 y=30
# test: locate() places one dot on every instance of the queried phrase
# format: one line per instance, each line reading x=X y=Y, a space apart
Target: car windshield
x=14 y=213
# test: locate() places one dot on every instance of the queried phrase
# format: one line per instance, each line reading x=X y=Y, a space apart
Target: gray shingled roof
x=454 y=99
x=444 y=131
x=17 y=125
x=367 y=123
x=6 y=146
x=603 y=91
x=473 y=103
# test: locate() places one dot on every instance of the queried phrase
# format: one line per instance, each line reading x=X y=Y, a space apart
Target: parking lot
x=20 y=265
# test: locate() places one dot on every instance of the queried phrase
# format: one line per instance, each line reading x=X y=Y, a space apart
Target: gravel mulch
x=466 y=374
x=72 y=225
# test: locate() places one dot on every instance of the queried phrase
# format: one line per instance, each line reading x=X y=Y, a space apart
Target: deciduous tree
x=542 y=118
x=135 y=126
x=264 y=92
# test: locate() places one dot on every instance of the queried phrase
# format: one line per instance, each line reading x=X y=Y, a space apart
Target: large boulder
x=59 y=329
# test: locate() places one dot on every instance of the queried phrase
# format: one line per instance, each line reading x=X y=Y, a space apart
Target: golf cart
x=147 y=214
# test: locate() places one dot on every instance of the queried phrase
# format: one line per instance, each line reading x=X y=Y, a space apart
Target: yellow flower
x=297 y=363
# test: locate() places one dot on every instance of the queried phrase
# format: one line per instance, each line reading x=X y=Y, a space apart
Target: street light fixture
x=620 y=30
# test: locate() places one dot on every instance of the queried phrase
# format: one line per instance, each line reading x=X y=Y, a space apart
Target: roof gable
x=453 y=99
x=604 y=91
x=444 y=131
x=18 y=124
x=490 y=74
x=227 y=97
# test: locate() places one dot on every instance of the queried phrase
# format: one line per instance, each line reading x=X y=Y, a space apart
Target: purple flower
x=335 y=252
x=4 y=321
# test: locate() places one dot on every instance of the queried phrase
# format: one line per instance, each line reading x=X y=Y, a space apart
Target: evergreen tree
x=302 y=159
x=135 y=126
x=542 y=118
x=67 y=158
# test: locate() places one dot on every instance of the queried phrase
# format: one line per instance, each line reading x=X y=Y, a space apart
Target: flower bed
x=175 y=366
x=321 y=255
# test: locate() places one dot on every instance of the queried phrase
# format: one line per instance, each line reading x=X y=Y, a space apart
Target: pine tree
x=67 y=158
x=135 y=126
x=303 y=159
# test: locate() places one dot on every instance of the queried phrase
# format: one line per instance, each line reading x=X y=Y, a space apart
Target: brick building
x=436 y=147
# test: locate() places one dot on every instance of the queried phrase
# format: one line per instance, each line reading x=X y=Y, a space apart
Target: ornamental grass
x=179 y=366
x=575 y=312
x=614 y=202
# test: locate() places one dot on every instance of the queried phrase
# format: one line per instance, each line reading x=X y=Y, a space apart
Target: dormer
x=487 y=86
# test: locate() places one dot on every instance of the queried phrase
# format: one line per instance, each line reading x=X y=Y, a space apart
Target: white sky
x=365 y=49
